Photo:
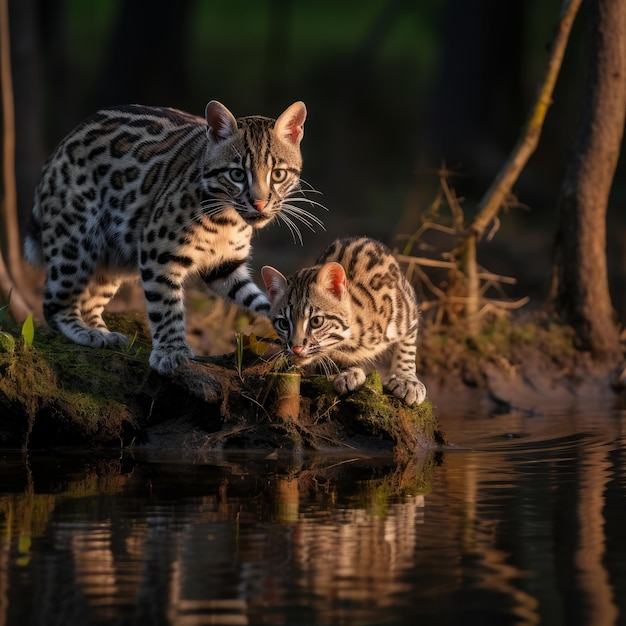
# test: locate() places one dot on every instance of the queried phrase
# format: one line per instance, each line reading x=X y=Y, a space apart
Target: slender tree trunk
x=11 y=277
x=491 y=203
x=27 y=92
x=8 y=142
x=580 y=280
x=495 y=197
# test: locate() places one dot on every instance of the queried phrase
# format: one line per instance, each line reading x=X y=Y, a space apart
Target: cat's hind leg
x=99 y=292
x=66 y=290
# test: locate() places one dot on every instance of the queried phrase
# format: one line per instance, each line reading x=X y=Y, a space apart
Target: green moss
x=375 y=415
x=501 y=338
x=383 y=413
x=59 y=393
x=98 y=373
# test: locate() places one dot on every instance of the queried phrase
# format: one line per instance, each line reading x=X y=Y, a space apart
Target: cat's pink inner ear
x=221 y=122
x=290 y=125
x=274 y=281
x=332 y=277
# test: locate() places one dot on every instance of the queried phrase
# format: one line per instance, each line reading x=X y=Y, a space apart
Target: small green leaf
x=28 y=330
x=7 y=343
x=239 y=351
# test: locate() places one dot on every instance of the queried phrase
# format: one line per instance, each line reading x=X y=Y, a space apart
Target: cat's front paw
x=95 y=338
x=409 y=390
x=116 y=339
x=349 y=380
x=166 y=359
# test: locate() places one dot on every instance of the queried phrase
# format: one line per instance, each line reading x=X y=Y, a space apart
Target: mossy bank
x=56 y=394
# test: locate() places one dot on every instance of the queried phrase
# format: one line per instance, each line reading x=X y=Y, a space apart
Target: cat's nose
x=297 y=349
x=259 y=205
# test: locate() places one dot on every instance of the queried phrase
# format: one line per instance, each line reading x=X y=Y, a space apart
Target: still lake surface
x=521 y=520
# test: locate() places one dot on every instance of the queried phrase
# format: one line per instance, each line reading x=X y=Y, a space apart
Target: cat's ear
x=275 y=282
x=221 y=122
x=290 y=125
x=332 y=278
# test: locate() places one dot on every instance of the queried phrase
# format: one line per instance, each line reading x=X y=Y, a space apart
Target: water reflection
x=509 y=527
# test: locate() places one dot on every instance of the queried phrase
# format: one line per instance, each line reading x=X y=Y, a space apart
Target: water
x=521 y=521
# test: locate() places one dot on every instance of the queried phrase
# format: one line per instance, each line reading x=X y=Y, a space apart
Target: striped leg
x=67 y=290
x=163 y=290
x=99 y=292
x=232 y=282
x=402 y=380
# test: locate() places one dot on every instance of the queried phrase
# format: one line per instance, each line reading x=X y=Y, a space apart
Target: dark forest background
x=393 y=88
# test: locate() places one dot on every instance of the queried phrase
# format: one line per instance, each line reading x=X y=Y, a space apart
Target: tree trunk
x=11 y=278
x=28 y=95
x=580 y=279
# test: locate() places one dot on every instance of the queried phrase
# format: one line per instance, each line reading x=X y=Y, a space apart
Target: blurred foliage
x=393 y=88
x=367 y=70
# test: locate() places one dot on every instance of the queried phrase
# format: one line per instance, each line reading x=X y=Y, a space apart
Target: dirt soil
x=56 y=394
x=531 y=366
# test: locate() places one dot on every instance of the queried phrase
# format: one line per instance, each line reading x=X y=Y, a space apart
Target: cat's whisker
x=309 y=188
x=332 y=351
x=299 y=196
x=303 y=215
x=323 y=366
x=287 y=210
x=295 y=231
x=307 y=200
x=275 y=356
x=211 y=199
x=304 y=192
x=222 y=201
x=328 y=366
x=211 y=210
x=213 y=204
x=207 y=212
x=291 y=204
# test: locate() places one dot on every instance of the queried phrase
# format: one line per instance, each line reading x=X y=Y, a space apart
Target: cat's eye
x=237 y=175
x=316 y=321
x=279 y=175
x=281 y=323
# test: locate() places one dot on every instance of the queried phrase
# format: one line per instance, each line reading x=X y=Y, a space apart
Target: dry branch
x=465 y=294
x=495 y=196
x=445 y=304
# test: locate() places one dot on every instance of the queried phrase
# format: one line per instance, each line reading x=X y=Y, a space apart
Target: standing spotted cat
x=353 y=309
x=166 y=193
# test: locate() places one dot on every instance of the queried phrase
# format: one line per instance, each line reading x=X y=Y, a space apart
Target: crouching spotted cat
x=166 y=193
x=353 y=310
